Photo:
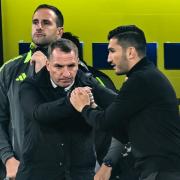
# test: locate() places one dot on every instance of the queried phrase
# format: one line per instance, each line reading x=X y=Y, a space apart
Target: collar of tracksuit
x=33 y=49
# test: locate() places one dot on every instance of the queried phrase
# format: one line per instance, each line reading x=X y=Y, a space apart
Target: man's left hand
x=80 y=98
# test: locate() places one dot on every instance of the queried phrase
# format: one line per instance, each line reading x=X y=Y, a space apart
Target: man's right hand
x=11 y=168
x=103 y=173
x=39 y=59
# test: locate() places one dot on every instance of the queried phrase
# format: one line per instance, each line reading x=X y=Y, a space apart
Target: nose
x=66 y=72
x=109 y=58
x=39 y=26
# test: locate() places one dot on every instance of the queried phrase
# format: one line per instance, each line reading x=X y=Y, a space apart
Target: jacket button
x=62 y=144
x=60 y=163
x=117 y=177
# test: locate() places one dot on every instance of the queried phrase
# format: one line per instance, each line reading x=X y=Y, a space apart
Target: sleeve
x=115 y=152
x=132 y=98
x=6 y=150
x=103 y=96
x=34 y=106
x=102 y=143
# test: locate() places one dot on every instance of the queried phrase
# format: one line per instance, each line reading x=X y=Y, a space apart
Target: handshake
x=82 y=96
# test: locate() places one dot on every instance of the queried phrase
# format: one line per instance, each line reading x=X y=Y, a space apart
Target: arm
x=115 y=152
x=58 y=111
x=132 y=98
x=6 y=150
x=103 y=96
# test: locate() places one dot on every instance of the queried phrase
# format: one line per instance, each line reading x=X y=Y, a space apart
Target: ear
x=47 y=65
x=60 y=31
x=131 y=52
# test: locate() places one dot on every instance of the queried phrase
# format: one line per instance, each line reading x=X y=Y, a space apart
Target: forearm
x=54 y=112
x=115 y=152
x=6 y=153
x=104 y=96
x=36 y=107
x=6 y=150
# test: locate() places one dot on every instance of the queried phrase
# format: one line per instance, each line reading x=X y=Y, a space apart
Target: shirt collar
x=143 y=62
x=65 y=89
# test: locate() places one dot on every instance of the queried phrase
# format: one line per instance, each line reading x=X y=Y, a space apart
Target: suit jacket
x=58 y=143
x=145 y=113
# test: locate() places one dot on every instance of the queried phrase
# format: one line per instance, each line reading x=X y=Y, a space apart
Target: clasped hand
x=82 y=96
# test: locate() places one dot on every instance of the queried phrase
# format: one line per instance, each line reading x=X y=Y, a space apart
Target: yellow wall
x=91 y=21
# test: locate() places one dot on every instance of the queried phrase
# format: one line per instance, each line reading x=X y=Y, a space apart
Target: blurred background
x=92 y=20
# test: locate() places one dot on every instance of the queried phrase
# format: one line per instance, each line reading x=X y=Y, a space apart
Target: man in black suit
x=58 y=143
x=145 y=111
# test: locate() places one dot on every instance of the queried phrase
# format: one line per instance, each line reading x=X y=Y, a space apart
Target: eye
x=46 y=22
x=57 y=66
x=111 y=50
x=35 y=21
x=71 y=65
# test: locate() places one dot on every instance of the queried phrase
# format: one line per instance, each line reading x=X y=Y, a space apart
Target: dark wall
x=1 y=40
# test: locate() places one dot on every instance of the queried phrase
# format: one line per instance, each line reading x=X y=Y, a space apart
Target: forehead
x=44 y=14
x=113 y=42
x=62 y=57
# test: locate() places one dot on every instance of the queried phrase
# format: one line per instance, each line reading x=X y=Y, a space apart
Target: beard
x=40 y=42
x=122 y=67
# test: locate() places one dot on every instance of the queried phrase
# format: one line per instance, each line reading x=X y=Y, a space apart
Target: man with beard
x=145 y=112
x=47 y=26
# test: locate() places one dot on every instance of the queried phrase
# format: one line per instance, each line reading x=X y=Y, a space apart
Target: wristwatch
x=108 y=163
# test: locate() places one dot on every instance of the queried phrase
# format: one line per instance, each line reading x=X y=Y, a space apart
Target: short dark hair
x=130 y=35
x=59 y=19
x=64 y=45
x=75 y=40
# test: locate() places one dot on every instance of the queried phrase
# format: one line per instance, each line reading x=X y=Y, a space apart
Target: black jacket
x=108 y=148
x=57 y=140
x=145 y=113
x=12 y=73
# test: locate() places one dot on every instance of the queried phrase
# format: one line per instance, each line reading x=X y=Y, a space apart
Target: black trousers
x=162 y=175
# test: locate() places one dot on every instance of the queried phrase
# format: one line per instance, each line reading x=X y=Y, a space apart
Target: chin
x=120 y=73
x=39 y=42
x=65 y=85
x=117 y=72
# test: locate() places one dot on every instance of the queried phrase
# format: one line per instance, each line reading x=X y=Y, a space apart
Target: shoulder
x=148 y=78
x=11 y=69
x=12 y=63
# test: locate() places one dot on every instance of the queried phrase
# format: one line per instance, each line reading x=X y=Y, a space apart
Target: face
x=44 y=28
x=62 y=67
x=117 y=57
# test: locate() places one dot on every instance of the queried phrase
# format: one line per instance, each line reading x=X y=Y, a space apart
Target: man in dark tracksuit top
x=58 y=143
x=47 y=25
x=145 y=111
